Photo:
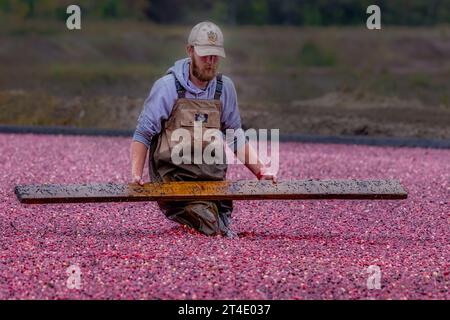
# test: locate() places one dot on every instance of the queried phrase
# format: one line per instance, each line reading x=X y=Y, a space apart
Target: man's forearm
x=138 y=154
x=249 y=157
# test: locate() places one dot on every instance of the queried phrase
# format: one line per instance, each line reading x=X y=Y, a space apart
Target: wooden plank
x=213 y=190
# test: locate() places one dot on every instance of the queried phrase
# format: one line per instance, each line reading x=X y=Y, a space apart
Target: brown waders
x=208 y=217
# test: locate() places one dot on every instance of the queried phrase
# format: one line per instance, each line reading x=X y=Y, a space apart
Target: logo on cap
x=212 y=37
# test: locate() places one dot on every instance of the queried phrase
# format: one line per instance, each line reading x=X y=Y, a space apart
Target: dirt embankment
x=343 y=114
x=333 y=81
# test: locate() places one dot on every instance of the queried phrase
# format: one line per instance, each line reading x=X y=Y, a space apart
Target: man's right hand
x=138 y=153
x=138 y=179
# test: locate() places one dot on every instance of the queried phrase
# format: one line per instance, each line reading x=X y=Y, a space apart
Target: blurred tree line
x=255 y=12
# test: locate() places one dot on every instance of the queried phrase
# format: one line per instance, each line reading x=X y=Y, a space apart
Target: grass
x=311 y=55
x=103 y=73
x=23 y=108
x=421 y=80
x=270 y=66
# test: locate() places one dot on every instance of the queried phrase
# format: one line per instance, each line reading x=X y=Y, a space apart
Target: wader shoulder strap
x=180 y=90
x=219 y=87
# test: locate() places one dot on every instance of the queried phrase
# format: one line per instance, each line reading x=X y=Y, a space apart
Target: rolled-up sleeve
x=157 y=107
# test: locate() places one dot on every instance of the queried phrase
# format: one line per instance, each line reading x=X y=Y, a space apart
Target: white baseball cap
x=207 y=39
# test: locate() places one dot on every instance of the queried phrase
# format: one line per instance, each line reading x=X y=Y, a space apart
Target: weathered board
x=212 y=190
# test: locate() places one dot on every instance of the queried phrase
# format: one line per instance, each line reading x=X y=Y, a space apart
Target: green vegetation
x=268 y=64
x=421 y=80
x=249 y=12
x=102 y=74
x=324 y=80
x=313 y=55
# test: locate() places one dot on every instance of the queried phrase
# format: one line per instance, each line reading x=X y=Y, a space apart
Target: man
x=191 y=91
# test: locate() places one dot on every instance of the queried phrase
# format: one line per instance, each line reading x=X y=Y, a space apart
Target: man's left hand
x=266 y=174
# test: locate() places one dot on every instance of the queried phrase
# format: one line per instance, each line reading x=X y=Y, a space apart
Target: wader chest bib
x=208 y=217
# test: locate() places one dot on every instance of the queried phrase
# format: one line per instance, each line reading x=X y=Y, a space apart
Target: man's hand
x=137 y=179
x=138 y=153
x=266 y=174
x=258 y=168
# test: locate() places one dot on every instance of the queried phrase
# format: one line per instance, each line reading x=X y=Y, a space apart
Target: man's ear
x=189 y=50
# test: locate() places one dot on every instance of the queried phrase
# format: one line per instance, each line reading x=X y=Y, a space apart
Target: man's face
x=204 y=68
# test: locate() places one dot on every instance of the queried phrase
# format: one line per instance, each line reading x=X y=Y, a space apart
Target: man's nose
x=211 y=59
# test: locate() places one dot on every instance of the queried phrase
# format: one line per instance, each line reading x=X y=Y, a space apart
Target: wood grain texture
x=212 y=190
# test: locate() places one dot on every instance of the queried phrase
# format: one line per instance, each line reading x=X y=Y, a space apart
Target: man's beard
x=205 y=74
